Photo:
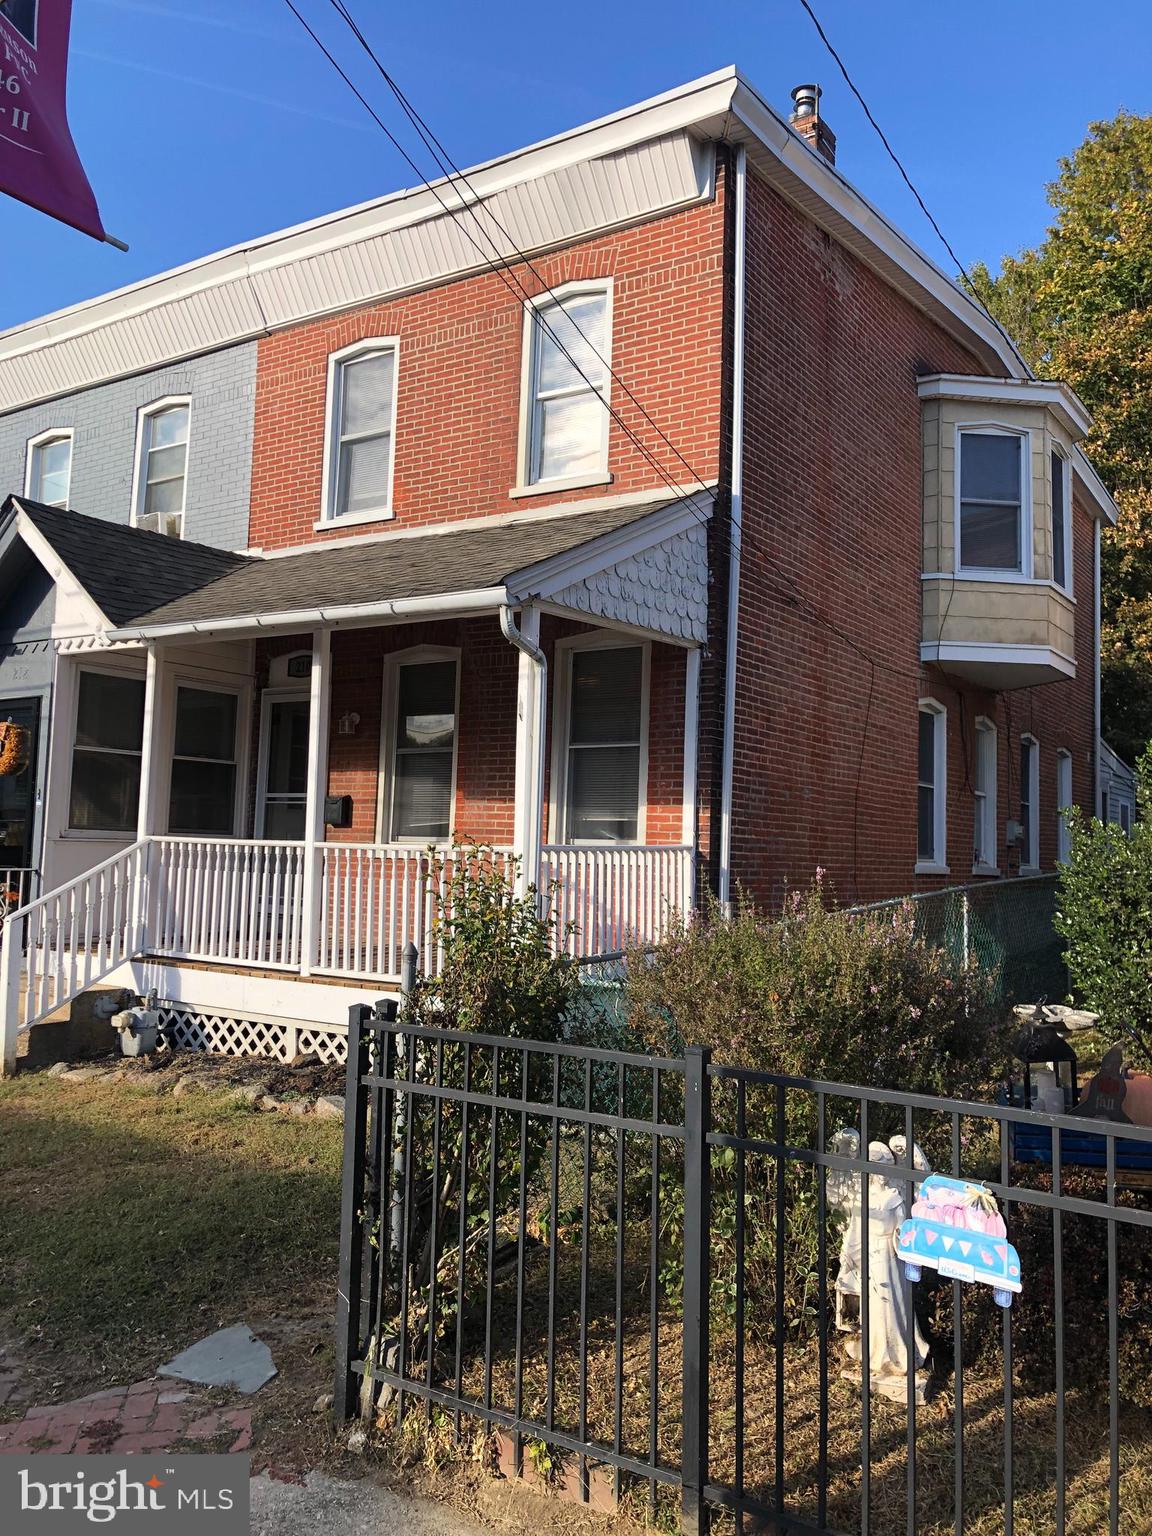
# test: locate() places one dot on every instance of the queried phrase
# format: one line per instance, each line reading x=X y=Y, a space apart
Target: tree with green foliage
x=1080 y=308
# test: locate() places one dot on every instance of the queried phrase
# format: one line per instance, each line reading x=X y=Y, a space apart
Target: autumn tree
x=1080 y=308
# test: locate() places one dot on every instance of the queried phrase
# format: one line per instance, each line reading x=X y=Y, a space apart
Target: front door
x=284 y=767
x=18 y=802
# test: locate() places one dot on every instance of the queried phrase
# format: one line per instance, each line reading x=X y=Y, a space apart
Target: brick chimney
x=809 y=124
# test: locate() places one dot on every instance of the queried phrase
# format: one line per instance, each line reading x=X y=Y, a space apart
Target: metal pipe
x=1097 y=785
x=724 y=890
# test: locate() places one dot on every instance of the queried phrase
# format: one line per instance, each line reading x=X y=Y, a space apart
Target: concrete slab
x=347 y=1509
x=232 y=1357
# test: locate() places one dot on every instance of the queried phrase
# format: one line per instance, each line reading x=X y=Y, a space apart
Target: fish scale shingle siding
x=103 y=420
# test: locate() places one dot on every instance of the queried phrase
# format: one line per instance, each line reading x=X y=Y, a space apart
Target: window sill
x=989 y=871
x=927 y=867
x=85 y=835
x=1029 y=869
x=353 y=520
x=567 y=483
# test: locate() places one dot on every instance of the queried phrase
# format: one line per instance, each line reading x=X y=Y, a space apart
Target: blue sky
x=206 y=122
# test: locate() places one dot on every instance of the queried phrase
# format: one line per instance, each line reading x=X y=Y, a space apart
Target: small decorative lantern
x=348 y=724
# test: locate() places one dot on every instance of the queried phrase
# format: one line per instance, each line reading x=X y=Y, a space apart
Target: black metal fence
x=673 y=1275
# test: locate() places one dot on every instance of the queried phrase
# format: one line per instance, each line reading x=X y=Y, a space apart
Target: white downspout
x=1096 y=751
x=531 y=705
x=724 y=889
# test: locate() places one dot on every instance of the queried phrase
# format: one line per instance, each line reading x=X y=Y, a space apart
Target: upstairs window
x=568 y=341
x=162 y=468
x=361 y=426
x=49 y=474
x=931 y=789
x=984 y=851
x=424 y=751
x=203 y=795
x=109 y=741
x=991 y=501
x=605 y=738
x=1061 y=521
x=1029 y=802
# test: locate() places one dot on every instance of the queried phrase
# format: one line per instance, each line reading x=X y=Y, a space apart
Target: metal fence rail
x=634 y=1262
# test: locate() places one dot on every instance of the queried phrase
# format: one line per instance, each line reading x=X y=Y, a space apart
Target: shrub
x=1104 y=913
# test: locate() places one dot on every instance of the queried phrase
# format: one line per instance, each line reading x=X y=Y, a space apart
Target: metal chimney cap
x=806 y=99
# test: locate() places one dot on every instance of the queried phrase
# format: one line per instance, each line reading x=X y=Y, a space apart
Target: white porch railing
x=605 y=898
x=56 y=947
x=227 y=899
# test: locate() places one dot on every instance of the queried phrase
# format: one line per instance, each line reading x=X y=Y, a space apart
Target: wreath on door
x=13 y=748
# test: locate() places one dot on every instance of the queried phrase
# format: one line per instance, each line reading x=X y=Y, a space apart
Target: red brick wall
x=458 y=380
x=829 y=675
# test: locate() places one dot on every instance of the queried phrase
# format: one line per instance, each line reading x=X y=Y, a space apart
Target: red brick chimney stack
x=809 y=124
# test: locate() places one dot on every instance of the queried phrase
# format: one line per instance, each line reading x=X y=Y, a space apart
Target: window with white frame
x=931 y=787
x=1124 y=812
x=48 y=478
x=984 y=853
x=1029 y=802
x=991 y=516
x=162 y=467
x=202 y=800
x=1061 y=521
x=108 y=743
x=423 y=750
x=1063 y=805
x=567 y=375
x=361 y=428
x=604 y=744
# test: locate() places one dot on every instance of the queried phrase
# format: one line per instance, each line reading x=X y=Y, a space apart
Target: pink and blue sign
x=956 y=1229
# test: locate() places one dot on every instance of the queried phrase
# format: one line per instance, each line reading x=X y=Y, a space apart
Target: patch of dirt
x=284 y=1079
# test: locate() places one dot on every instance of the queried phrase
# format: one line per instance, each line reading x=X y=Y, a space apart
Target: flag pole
x=112 y=240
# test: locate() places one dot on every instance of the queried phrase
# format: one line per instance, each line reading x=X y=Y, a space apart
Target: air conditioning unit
x=170 y=523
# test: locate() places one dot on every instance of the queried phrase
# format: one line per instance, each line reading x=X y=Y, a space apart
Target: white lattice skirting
x=282 y=1039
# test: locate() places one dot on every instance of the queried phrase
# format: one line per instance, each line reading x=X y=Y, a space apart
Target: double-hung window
x=1063 y=805
x=105 y=792
x=49 y=474
x=1061 y=522
x=992 y=523
x=361 y=427
x=932 y=789
x=424 y=751
x=567 y=376
x=984 y=851
x=162 y=468
x=604 y=744
x=203 y=794
x=1029 y=802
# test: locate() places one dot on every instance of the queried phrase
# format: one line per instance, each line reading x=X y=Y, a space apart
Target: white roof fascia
x=68 y=587
x=1050 y=395
x=1093 y=487
x=549 y=576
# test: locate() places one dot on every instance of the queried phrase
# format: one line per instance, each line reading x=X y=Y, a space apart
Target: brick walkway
x=155 y=1415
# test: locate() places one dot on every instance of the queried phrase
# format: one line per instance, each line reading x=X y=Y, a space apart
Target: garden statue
x=891 y=1322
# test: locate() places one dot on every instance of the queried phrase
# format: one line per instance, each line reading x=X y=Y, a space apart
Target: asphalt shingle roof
x=141 y=579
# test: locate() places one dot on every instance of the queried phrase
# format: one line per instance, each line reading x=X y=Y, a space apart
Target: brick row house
x=647 y=509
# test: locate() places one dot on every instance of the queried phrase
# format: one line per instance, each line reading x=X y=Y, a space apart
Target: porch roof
x=151 y=587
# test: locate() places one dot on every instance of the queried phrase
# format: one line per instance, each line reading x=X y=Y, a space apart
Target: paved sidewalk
x=347 y=1509
x=147 y=1416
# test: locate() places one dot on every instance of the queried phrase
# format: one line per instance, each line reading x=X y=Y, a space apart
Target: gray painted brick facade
x=222 y=388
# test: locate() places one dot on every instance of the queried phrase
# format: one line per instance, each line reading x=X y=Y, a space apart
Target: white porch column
x=688 y=824
x=319 y=711
x=531 y=730
x=148 y=814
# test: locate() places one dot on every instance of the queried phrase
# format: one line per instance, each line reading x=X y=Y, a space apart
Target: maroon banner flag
x=38 y=160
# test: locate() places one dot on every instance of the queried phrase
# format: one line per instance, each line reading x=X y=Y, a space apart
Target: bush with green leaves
x=1104 y=914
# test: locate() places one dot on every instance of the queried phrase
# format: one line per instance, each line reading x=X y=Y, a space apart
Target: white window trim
x=333 y=403
x=1026 y=571
x=42 y=440
x=1066 y=585
x=386 y=776
x=529 y=354
x=242 y=695
x=143 y=416
x=986 y=730
x=93 y=834
x=938 y=865
x=1030 y=855
x=597 y=640
x=1063 y=833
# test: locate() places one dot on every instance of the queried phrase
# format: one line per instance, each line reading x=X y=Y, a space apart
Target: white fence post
x=11 y=947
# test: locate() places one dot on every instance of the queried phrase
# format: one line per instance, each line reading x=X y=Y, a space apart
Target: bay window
x=202 y=801
x=109 y=741
x=567 y=377
x=1061 y=521
x=604 y=744
x=423 y=750
x=991 y=518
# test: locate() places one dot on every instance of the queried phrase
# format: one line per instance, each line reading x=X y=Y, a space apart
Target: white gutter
x=1096 y=745
x=480 y=600
x=724 y=887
